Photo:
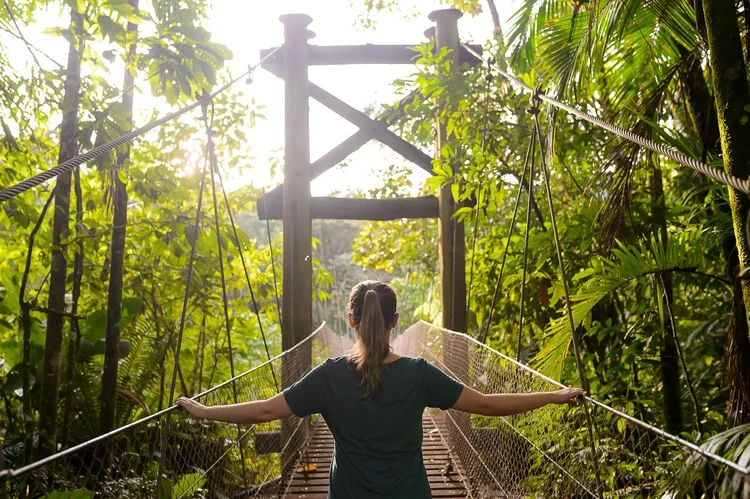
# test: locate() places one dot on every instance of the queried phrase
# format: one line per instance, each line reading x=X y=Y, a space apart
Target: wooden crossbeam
x=354 y=141
x=339 y=153
x=370 y=54
x=356 y=209
x=378 y=129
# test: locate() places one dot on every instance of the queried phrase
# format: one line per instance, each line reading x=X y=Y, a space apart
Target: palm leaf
x=683 y=251
x=734 y=444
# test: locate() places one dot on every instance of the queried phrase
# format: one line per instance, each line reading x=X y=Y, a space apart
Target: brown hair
x=373 y=305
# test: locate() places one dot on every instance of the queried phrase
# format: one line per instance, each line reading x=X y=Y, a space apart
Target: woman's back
x=378 y=439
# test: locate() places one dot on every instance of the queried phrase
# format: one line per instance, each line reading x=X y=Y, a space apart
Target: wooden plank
x=357 y=209
x=335 y=55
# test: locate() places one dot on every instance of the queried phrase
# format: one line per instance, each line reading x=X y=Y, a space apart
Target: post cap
x=445 y=15
x=300 y=20
x=429 y=33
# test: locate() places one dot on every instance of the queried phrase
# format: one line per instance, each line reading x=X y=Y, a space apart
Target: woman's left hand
x=196 y=409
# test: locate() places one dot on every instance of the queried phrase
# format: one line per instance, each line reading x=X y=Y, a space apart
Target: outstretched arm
x=507 y=404
x=260 y=411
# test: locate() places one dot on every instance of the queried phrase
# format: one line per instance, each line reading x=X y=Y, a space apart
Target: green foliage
x=631 y=63
x=76 y=494
x=176 y=57
x=188 y=485
x=683 y=251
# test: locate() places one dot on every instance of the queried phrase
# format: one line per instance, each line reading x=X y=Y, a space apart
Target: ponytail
x=372 y=346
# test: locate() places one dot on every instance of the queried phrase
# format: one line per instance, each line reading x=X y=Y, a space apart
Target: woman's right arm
x=508 y=404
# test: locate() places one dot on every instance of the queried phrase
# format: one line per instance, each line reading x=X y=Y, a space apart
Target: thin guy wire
x=498 y=283
x=485 y=131
x=547 y=456
x=273 y=261
x=453 y=457
x=527 y=232
x=183 y=316
x=742 y=185
x=281 y=453
x=97 y=151
x=224 y=300
x=566 y=291
x=247 y=275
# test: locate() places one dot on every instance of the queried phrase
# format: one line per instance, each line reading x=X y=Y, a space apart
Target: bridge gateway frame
x=292 y=202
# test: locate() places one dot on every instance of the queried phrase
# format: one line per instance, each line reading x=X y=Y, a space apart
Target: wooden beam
x=340 y=153
x=450 y=231
x=296 y=311
x=369 y=54
x=378 y=129
x=351 y=144
x=331 y=208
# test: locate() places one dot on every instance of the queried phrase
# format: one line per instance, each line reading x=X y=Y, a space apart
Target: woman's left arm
x=260 y=411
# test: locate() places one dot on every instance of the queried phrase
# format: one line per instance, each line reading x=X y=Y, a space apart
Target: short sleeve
x=441 y=390
x=307 y=396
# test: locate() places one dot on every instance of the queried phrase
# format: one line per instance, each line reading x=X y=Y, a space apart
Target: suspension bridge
x=551 y=452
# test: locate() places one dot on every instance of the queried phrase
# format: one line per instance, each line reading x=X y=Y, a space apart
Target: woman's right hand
x=568 y=396
x=196 y=409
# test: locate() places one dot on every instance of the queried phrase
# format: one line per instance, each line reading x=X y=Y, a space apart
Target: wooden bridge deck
x=445 y=481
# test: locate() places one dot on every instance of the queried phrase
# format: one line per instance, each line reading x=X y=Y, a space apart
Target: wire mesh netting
x=201 y=458
x=548 y=452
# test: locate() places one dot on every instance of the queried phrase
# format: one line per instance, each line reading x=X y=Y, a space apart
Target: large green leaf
x=683 y=251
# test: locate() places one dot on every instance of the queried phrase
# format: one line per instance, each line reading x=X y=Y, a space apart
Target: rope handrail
x=646 y=426
x=13 y=473
x=95 y=152
x=740 y=184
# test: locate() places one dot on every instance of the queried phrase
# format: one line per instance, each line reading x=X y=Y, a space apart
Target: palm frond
x=734 y=444
x=683 y=251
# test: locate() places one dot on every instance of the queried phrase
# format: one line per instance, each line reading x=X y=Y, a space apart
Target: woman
x=373 y=400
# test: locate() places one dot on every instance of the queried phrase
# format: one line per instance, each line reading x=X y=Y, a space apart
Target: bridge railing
x=201 y=458
x=549 y=452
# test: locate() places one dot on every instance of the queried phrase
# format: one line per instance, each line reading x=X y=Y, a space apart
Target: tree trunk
x=699 y=101
x=117 y=256
x=746 y=20
x=74 y=337
x=737 y=353
x=670 y=373
x=495 y=16
x=731 y=93
x=703 y=110
x=59 y=272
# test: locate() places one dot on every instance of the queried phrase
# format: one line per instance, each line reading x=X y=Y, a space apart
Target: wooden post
x=296 y=309
x=297 y=257
x=450 y=233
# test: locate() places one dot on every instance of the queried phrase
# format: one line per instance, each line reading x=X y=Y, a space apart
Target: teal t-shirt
x=378 y=441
